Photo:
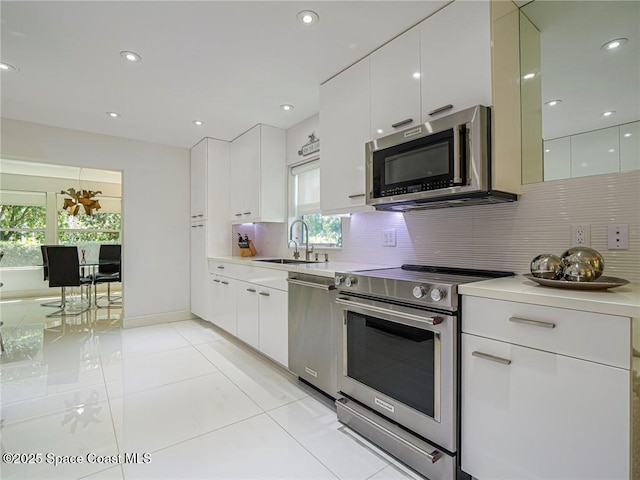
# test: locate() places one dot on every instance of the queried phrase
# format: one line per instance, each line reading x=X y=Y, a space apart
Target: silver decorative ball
x=579 y=272
x=584 y=255
x=547 y=266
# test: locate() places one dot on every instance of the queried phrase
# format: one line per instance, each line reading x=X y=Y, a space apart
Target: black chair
x=64 y=272
x=45 y=272
x=109 y=271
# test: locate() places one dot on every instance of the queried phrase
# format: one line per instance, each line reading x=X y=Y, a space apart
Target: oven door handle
x=388 y=311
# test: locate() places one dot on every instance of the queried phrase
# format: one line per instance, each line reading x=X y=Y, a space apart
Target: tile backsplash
x=505 y=236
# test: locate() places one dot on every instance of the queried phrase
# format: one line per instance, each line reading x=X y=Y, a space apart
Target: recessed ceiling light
x=627 y=134
x=416 y=75
x=608 y=113
x=307 y=17
x=113 y=114
x=132 y=57
x=5 y=67
x=553 y=103
x=199 y=123
x=286 y=107
x=529 y=76
x=613 y=44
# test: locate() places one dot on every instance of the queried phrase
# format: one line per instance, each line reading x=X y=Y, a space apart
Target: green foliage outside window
x=22 y=231
x=324 y=230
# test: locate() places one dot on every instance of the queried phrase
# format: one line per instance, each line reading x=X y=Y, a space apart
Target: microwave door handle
x=457 y=161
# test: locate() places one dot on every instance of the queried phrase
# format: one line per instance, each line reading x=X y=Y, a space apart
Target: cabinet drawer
x=269 y=277
x=590 y=336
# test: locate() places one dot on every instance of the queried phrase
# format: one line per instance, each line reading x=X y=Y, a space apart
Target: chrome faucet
x=308 y=249
x=296 y=253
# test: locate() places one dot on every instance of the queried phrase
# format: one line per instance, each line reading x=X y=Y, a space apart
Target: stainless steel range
x=398 y=368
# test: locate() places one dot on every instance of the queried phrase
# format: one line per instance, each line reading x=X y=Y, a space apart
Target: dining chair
x=64 y=272
x=45 y=275
x=109 y=271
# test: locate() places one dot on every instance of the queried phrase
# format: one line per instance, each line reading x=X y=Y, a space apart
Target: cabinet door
x=395 y=84
x=251 y=174
x=456 y=71
x=542 y=416
x=223 y=304
x=248 y=312
x=199 y=271
x=274 y=325
x=345 y=124
x=199 y=181
x=236 y=173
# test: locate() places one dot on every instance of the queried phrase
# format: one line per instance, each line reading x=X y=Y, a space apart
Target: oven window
x=418 y=164
x=396 y=360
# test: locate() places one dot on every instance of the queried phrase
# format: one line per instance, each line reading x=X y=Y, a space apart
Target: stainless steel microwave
x=441 y=163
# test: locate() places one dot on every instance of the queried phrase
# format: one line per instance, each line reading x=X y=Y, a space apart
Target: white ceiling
x=230 y=64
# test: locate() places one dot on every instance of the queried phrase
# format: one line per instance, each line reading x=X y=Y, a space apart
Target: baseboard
x=156 y=319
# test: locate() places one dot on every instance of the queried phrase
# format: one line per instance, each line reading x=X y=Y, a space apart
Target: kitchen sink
x=285 y=261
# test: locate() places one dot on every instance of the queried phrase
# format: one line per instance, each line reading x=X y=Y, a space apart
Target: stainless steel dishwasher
x=313 y=331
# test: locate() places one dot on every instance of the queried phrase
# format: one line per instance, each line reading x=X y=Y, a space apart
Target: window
x=304 y=188
x=22 y=227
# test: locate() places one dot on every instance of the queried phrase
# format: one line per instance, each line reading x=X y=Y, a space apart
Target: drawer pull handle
x=264 y=294
x=224 y=283
x=220 y=267
x=491 y=358
x=238 y=215
x=252 y=290
x=440 y=109
x=246 y=213
x=535 y=323
x=356 y=195
x=403 y=122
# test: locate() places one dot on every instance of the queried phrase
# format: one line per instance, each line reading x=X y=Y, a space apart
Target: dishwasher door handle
x=311 y=284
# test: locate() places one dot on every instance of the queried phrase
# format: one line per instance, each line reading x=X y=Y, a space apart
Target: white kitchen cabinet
x=248 y=313
x=246 y=304
x=454 y=70
x=257 y=176
x=345 y=121
x=274 y=325
x=199 y=270
x=210 y=229
x=395 y=85
x=545 y=392
x=224 y=303
x=198 y=189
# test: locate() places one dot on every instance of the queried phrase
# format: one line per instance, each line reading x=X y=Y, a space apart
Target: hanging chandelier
x=78 y=198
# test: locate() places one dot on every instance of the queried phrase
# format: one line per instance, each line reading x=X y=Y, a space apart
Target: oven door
x=400 y=361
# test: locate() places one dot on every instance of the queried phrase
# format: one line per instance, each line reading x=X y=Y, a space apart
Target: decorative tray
x=602 y=283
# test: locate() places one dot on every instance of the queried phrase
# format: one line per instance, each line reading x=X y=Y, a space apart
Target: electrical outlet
x=581 y=234
x=618 y=237
x=389 y=237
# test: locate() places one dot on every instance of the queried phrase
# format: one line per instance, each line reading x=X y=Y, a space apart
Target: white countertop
x=323 y=269
x=622 y=301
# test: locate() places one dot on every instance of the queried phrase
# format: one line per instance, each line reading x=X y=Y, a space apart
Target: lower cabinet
x=531 y=412
x=254 y=313
x=274 y=328
x=223 y=303
x=248 y=314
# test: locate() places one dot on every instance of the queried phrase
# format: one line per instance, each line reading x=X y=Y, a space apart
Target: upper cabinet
x=345 y=122
x=455 y=67
x=199 y=181
x=395 y=85
x=258 y=176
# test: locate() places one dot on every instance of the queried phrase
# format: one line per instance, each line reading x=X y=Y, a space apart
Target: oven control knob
x=350 y=281
x=419 y=291
x=438 y=294
x=338 y=280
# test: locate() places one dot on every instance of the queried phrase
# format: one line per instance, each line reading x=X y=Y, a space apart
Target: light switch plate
x=618 y=237
x=389 y=237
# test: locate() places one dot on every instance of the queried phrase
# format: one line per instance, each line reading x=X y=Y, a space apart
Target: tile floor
x=190 y=401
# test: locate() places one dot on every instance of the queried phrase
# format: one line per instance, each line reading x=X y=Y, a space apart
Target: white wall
x=155 y=209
